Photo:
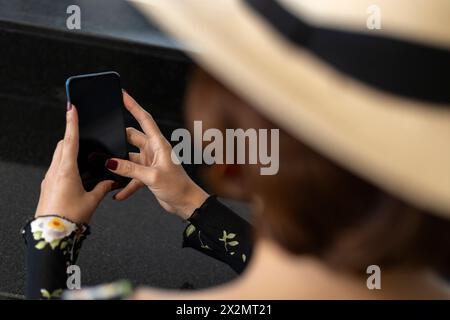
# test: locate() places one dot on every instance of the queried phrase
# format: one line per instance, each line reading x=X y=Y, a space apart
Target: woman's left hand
x=62 y=192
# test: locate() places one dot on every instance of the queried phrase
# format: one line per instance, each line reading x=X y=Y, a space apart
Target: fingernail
x=69 y=106
x=123 y=90
x=111 y=164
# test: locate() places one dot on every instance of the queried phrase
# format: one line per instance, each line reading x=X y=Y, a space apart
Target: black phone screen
x=99 y=102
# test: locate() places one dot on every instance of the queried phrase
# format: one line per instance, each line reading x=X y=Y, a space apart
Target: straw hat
x=376 y=101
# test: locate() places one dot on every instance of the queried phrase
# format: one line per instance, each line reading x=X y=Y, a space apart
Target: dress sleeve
x=53 y=244
x=217 y=231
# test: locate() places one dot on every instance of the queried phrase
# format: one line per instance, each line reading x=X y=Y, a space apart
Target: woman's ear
x=228 y=180
x=220 y=109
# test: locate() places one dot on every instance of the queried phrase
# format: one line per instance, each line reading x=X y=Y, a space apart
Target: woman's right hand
x=153 y=167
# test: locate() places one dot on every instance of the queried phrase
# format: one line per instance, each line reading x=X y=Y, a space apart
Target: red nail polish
x=69 y=106
x=111 y=164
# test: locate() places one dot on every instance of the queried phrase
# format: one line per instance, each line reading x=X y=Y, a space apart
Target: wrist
x=75 y=218
x=194 y=199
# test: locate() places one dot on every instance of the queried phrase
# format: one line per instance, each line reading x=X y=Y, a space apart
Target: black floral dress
x=53 y=244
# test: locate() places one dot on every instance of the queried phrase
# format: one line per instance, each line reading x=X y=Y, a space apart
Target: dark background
x=135 y=239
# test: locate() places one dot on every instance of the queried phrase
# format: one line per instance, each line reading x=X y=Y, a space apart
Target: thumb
x=102 y=189
x=126 y=168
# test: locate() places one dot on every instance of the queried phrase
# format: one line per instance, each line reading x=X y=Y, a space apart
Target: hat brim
x=401 y=145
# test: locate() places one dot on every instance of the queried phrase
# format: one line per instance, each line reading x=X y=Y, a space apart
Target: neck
x=277 y=274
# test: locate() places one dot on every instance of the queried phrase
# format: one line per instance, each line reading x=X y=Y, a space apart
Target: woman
x=64 y=210
x=363 y=177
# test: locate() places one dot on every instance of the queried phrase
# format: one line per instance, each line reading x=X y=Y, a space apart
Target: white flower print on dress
x=51 y=230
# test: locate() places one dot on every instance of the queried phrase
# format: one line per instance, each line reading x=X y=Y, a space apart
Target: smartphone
x=99 y=102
